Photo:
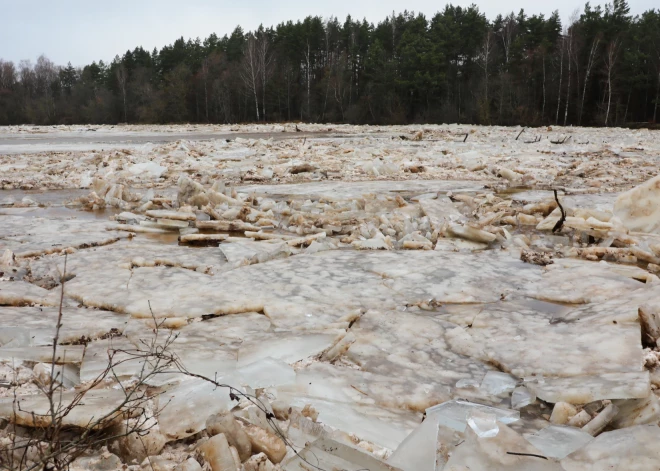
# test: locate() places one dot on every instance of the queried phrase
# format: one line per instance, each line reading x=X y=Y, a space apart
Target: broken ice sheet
x=557 y=441
x=507 y=451
x=39 y=323
x=22 y=293
x=631 y=449
x=384 y=427
x=455 y=414
x=637 y=411
x=64 y=354
x=288 y=347
x=527 y=338
x=28 y=237
x=585 y=389
x=350 y=385
x=578 y=282
x=427 y=447
x=185 y=407
x=99 y=406
x=328 y=454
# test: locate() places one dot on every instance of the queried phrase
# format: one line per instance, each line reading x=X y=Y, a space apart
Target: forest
x=602 y=68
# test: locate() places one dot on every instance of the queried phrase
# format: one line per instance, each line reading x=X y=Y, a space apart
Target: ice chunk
x=266 y=373
x=440 y=211
x=497 y=383
x=521 y=397
x=585 y=389
x=562 y=413
x=151 y=169
x=507 y=451
x=384 y=427
x=326 y=453
x=637 y=412
x=186 y=407
x=634 y=448
x=176 y=215
x=483 y=424
x=467 y=383
x=426 y=447
x=98 y=408
x=598 y=423
x=289 y=348
x=471 y=233
x=454 y=414
x=558 y=441
x=217 y=453
x=639 y=208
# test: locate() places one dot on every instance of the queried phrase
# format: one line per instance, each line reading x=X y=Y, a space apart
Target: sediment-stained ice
x=254 y=262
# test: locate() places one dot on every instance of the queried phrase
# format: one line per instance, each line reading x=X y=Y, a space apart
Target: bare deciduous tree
x=265 y=59
x=611 y=55
x=590 y=64
x=570 y=45
x=484 y=58
x=561 y=75
x=122 y=78
x=250 y=70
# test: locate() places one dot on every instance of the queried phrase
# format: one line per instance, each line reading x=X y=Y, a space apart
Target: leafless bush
x=48 y=441
x=51 y=442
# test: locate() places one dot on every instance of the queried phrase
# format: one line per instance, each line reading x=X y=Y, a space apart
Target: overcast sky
x=81 y=31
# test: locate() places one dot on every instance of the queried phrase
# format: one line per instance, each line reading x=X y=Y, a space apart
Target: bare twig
x=526 y=454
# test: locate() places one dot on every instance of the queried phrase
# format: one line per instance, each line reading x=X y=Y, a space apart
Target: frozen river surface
x=352 y=279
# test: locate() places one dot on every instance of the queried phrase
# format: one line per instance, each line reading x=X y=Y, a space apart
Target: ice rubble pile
x=430 y=221
x=602 y=160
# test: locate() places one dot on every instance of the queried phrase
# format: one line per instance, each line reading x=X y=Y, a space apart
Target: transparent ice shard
x=186 y=407
x=558 y=441
x=521 y=397
x=467 y=383
x=454 y=414
x=484 y=424
x=418 y=451
x=497 y=383
x=326 y=453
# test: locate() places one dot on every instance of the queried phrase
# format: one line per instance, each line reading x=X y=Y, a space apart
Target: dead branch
x=560 y=223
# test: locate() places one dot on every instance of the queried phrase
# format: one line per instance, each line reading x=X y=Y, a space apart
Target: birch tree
x=611 y=55
x=250 y=69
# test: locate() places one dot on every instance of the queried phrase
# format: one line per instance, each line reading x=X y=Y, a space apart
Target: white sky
x=81 y=31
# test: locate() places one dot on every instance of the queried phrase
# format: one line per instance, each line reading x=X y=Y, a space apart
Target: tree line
x=602 y=68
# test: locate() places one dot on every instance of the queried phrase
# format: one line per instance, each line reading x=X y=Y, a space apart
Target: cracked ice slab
x=351 y=190
x=305 y=290
x=29 y=237
x=633 y=449
x=21 y=293
x=97 y=410
x=39 y=323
